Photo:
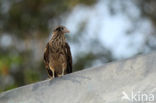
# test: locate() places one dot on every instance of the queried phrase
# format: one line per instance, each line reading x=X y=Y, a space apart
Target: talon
x=51 y=78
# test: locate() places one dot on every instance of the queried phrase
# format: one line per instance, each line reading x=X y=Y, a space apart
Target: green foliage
x=7 y=60
x=10 y=87
x=31 y=76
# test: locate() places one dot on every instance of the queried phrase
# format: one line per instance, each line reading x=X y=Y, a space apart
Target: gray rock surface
x=134 y=78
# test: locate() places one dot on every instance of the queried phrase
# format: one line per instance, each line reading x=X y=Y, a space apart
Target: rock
x=127 y=81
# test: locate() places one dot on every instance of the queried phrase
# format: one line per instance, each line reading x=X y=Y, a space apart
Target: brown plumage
x=57 y=55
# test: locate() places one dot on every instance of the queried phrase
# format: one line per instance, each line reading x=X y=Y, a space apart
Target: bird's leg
x=51 y=78
x=62 y=72
x=63 y=69
x=53 y=73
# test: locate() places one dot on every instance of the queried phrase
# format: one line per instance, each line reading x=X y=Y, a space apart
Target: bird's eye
x=62 y=28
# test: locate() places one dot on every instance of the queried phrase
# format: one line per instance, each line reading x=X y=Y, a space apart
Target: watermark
x=140 y=97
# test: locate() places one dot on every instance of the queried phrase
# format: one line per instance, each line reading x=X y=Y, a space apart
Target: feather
x=46 y=56
x=69 y=58
x=46 y=60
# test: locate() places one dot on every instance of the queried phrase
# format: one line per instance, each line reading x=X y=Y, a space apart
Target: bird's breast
x=57 y=61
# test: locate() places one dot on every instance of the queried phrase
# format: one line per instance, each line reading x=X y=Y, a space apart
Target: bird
x=57 y=54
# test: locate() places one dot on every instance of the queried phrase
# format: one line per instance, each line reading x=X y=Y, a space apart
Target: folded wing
x=46 y=60
x=69 y=58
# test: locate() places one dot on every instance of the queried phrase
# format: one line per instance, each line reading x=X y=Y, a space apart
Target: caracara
x=57 y=55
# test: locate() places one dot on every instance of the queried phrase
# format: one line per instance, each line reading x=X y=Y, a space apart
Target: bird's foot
x=59 y=75
x=62 y=74
x=51 y=78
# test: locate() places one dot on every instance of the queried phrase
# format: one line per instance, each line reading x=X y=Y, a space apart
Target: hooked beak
x=66 y=31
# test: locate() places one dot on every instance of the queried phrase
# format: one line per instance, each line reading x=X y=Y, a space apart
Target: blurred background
x=102 y=31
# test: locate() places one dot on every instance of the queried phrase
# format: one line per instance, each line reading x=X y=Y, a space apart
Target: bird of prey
x=57 y=54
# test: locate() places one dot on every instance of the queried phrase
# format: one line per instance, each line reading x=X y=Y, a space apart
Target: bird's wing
x=69 y=58
x=46 y=60
x=46 y=56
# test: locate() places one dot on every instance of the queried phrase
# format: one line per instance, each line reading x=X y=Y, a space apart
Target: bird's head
x=61 y=29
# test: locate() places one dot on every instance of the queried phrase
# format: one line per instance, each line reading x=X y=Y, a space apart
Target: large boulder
x=127 y=81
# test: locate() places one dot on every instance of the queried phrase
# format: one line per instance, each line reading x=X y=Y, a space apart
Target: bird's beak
x=66 y=31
